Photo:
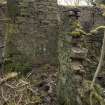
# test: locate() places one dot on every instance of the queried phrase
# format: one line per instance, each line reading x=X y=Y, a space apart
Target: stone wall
x=88 y=17
x=91 y=17
x=36 y=29
x=92 y=42
x=47 y=29
x=32 y=32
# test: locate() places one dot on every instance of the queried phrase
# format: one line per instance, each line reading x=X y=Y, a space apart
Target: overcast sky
x=71 y=2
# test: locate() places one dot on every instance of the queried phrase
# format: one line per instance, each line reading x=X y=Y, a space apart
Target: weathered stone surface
x=86 y=18
x=76 y=65
x=39 y=19
x=36 y=31
x=78 y=53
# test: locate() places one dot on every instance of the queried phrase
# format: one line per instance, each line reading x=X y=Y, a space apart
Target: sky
x=72 y=2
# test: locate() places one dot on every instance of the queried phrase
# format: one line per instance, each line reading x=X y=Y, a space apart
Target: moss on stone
x=76 y=24
x=96 y=30
x=76 y=29
x=77 y=32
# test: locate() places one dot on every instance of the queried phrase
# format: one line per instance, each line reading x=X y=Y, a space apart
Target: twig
x=20 y=99
x=2 y=93
x=29 y=75
x=10 y=86
x=30 y=89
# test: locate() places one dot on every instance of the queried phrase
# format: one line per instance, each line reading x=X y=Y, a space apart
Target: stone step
x=76 y=65
x=78 y=53
x=78 y=68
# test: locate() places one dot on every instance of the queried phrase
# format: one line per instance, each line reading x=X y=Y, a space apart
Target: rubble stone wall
x=37 y=28
x=36 y=32
x=88 y=21
x=92 y=42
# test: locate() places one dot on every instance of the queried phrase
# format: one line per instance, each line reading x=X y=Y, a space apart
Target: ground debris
x=37 y=88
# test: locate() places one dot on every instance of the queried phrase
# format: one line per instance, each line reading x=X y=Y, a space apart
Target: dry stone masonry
x=89 y=17
x=32 y=33
x=36 y=31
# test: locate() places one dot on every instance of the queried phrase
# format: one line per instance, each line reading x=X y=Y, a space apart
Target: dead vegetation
x=37 y=88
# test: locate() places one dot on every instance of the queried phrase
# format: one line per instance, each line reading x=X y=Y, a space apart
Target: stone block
x=78 y=53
